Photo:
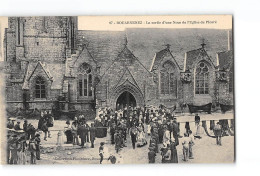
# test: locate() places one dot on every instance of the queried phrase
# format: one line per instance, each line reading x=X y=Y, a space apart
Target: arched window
x=202 y=79
x=85 y=80
x=40 y=88
x=168 y=81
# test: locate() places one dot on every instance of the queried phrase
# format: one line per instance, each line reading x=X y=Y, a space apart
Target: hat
x=102 y=143
x=37 y=135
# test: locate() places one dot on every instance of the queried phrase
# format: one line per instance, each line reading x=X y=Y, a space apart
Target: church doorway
x=126 y=99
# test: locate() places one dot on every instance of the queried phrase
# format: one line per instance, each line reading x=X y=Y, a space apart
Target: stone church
x=48 y=60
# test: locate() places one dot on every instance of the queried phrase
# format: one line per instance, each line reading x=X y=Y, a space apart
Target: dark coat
x=174 y=154
x=92 y=133
x=40 y=123
x=17 y=127
x=82 y=132
x=151 y=156
x=197 y=118
x=133 y=137
x=44 y=127
x=175 y=129
x=25 y=125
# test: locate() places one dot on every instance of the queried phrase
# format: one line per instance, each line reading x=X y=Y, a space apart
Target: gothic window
x=168 y=81
x=202 y=79
x=85 y=81
x=40 y=88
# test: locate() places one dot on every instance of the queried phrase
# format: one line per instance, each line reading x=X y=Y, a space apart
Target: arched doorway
x=126 y=99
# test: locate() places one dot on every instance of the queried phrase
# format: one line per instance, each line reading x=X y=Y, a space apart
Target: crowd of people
x=140 y=124
x=79 y=128
x=23 y=143
x=156 y=127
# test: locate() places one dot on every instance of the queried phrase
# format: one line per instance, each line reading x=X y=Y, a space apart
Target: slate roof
x=225 y=59
x=144 y=43
x=104 y=46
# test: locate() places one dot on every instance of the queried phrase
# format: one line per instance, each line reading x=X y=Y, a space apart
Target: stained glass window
x=168 y=83
x=85 y=80
x=202 y=79
x=40 y=89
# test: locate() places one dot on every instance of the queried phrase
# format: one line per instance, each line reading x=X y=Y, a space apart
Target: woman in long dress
x=166 y=136
x=199 y=131
x=174 y=153
x=141 y=141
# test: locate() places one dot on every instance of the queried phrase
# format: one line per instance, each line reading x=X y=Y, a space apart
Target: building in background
x=49 y=63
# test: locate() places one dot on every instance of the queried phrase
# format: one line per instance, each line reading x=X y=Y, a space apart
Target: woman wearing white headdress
x=166 y=136
x=141 y=141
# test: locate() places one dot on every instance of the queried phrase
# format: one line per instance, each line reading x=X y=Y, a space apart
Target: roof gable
x=195 y=56
x=127 y=58
x=159 y=57
x=40 y=65
x=127 y=75
x=84 y=56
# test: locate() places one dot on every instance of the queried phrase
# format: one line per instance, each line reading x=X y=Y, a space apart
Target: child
x=101 y=152
x=185 y=145
x=191 y=143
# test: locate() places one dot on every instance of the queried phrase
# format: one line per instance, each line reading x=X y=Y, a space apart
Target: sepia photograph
x=117 y=89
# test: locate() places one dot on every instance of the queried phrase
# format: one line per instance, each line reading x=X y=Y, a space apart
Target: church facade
x=49 y=61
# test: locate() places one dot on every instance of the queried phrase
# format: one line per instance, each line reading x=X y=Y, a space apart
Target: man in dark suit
x=82 y=131
x=92 y=131
x=133 y=133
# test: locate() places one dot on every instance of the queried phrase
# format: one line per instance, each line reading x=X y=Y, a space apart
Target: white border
x=247 y=63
